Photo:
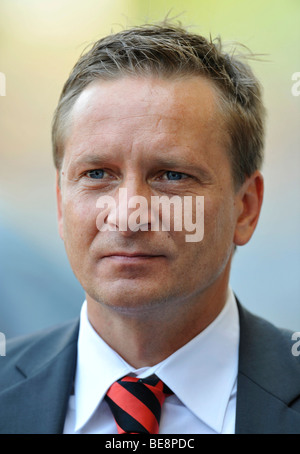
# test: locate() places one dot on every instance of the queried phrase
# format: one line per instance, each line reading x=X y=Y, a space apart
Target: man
x=149 y=112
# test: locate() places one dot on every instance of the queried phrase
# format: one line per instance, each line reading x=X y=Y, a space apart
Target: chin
x=129 y=299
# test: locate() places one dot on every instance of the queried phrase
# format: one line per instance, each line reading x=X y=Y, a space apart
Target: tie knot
x=136 y=403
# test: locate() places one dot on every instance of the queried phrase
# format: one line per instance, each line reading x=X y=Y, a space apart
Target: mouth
x=132 y=257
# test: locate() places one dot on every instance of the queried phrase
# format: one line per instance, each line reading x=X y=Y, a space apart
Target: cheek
x=220 y=224
x=79 y=222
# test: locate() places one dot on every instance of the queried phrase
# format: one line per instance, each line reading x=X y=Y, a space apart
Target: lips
x=132 y=255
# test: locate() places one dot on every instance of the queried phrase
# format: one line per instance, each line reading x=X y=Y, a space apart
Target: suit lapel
x=38 y=403
x=267 y=396
x=268 y=379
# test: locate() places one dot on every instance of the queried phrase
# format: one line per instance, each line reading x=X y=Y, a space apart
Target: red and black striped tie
x=136 y=404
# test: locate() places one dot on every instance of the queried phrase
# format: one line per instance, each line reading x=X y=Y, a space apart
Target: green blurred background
x=40 y=40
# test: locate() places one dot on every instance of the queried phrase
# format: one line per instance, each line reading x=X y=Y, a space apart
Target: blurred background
x=40 y=40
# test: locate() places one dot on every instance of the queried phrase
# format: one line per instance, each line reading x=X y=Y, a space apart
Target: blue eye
x=171 y=175
x=96 y=174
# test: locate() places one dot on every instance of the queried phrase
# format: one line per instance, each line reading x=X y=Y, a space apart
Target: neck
x=146 y=337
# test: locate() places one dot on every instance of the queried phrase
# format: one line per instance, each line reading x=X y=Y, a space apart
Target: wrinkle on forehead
x=138 y=110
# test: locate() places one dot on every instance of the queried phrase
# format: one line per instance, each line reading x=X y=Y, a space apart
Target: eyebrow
x=88 y=159
x=91 y=159
x=167 y=163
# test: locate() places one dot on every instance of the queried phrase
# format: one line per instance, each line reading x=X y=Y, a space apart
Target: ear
x=59 y=205
x=249 y=202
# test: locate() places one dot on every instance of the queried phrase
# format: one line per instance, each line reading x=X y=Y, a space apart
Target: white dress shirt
x=202 y=374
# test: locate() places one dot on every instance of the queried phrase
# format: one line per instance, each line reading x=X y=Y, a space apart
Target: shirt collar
x=98 y=367
x=201 y=374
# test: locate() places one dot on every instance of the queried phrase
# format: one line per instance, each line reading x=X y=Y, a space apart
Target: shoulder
x=259 y=333
x=269 y=356
x=268 y=389
x=36 y=349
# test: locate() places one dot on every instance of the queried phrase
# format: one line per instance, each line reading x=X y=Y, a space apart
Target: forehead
x=137 y=110
x=149 y=93
x=133 y=96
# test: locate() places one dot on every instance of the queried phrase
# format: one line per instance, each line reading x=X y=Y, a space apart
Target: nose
x=133 y=207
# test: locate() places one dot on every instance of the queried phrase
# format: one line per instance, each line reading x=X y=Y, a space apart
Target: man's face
x=152 y=137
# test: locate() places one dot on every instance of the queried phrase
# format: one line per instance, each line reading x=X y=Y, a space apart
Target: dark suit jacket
x=37 y=373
